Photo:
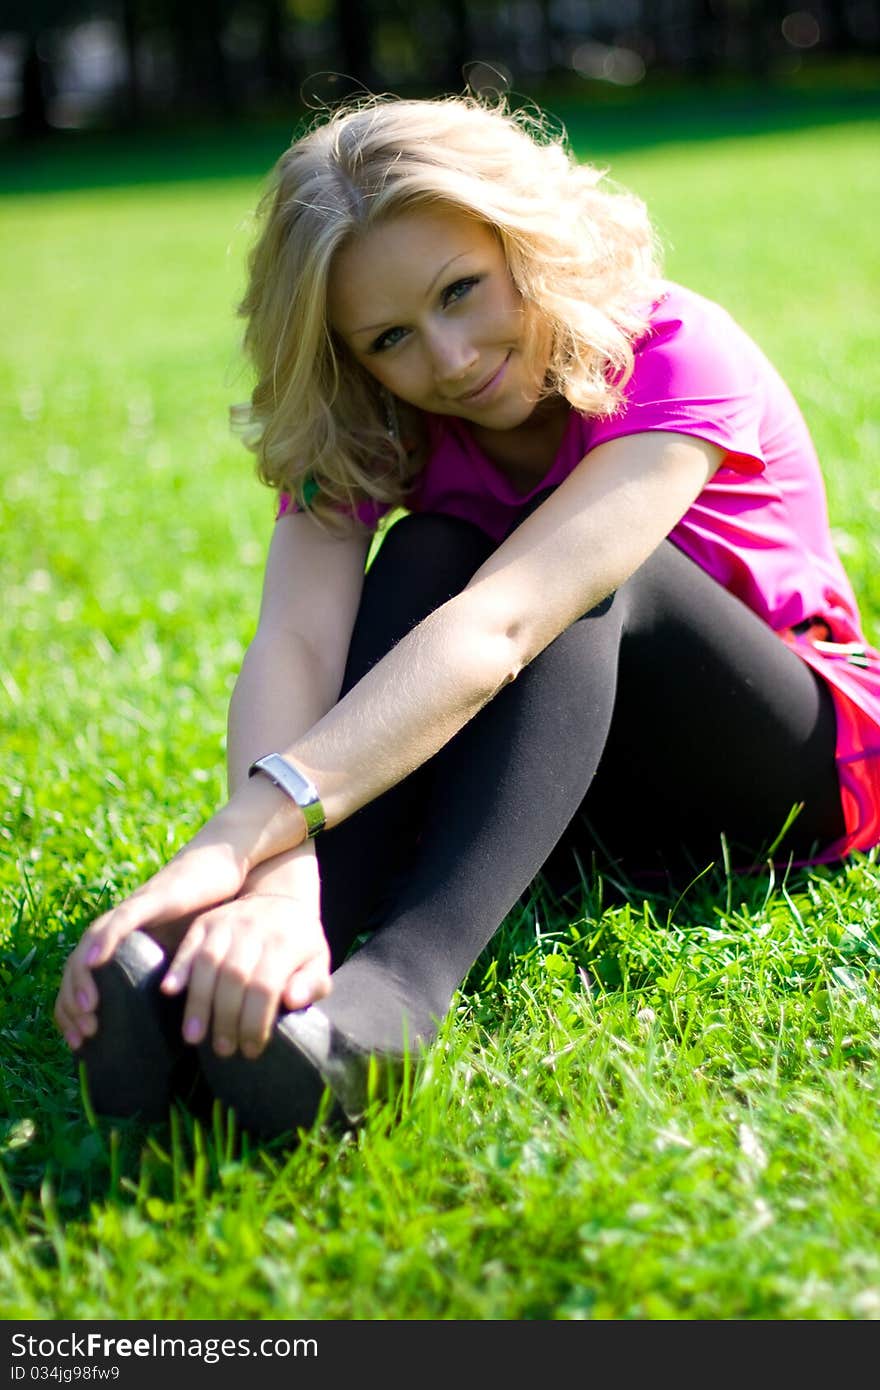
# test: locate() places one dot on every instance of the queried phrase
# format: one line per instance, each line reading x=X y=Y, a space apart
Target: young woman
x=611 y=620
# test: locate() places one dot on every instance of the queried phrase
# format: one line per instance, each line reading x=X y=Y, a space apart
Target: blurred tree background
x=111 y=64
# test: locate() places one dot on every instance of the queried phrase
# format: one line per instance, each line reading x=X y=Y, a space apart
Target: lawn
x=660 y=1110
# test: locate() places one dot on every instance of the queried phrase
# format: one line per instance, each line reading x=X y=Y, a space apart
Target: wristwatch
x=295 y=785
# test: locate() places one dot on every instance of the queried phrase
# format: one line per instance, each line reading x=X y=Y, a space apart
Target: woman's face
x=426 y=304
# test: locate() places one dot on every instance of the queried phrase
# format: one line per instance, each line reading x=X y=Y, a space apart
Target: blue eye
x=459 y=289
x=390 y=338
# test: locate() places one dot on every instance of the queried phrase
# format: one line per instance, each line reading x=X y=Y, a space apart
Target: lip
x=488 y=387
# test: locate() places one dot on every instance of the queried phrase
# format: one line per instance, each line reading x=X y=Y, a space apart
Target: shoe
x=281 y=1090
x=137 y=1062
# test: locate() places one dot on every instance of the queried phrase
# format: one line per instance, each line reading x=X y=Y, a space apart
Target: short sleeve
x=369 y=513
x=285 y=504
x=697 y=373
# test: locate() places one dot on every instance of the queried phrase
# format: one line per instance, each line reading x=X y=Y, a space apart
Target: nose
x=453 y=355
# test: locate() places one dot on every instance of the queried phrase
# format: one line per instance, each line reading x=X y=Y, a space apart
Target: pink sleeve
x=369 y=513
x=696 y=373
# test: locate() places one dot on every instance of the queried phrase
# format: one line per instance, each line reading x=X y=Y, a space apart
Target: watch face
x=300 y=790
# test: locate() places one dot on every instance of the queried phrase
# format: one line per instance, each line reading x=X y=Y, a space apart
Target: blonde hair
x=582 y=255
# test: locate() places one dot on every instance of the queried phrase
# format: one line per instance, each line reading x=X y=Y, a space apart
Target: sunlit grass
x=656 y=1110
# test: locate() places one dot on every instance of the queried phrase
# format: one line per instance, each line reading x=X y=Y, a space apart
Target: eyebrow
x=372 y=327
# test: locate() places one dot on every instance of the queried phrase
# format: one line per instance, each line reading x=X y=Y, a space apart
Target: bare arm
x=589 y=536
x=292 y=671
x=585 y=540
x=265 y=944
x=311 y=593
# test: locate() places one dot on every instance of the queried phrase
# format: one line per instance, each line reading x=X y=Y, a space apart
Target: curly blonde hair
x=582 y=255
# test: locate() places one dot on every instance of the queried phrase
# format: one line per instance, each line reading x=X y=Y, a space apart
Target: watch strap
x=294 y=784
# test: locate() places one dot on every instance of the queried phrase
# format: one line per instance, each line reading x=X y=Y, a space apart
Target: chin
x=507 y=415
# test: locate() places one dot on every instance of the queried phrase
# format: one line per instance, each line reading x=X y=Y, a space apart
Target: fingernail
x=73 y=1040
x=224 y=1047
x=171 y=983
x=92 y=955
x=192 y=1029
x=83 y=1000
x=250 y=1050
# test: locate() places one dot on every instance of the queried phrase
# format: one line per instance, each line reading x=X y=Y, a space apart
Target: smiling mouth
x=484 y=385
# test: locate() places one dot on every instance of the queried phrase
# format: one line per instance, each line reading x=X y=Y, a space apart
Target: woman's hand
x=206 y=871
x=241 y=962
x=212 y=868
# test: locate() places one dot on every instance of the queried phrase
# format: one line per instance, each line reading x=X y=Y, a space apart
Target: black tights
x=666 y=717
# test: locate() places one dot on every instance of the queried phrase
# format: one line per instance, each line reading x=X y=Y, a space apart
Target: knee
x=441 y=552
x=422 y=562
x=660 y=584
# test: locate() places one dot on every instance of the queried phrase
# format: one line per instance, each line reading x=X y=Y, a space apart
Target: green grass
x=658 y=1110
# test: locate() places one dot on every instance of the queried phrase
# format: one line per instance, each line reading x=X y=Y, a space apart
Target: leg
x=671 y=712
x=505 y=789
x=748 y=733
x=138 y=1061
x=423 y=561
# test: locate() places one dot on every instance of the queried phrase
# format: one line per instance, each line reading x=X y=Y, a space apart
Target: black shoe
x=281 y=1090
x=137 y=1062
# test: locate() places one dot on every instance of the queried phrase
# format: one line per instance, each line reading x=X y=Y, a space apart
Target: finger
x=78 y=992
x=76 y=1028
x=203 y=980
x=170 y=934
x=177 y=975
x=225 y=1010
x=263 y=995
x=195 y=880
x=64 y=1010
x=78 y=995
x=233 y=981
x=259 y=1008
x=308 y=984
x=74 y=1009
x=67 y=1021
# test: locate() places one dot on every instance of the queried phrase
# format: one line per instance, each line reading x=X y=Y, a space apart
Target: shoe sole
x=281 y=1091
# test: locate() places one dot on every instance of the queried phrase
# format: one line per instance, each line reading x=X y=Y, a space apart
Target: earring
x=392 y=423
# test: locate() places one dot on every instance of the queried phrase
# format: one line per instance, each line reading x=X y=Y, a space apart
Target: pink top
x=759 y=527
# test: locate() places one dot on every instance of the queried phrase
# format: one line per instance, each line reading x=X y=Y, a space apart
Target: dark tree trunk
x=277 y=69
x=704 y=56
x=655 y=23
x=354 y=33
x=185 y=57
x=460 y=50
x=131 y=101
x=202 y=71
x=757 y=55
x=549 y=53
x=33 y=120
x=835 y=27
x=220 y=90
